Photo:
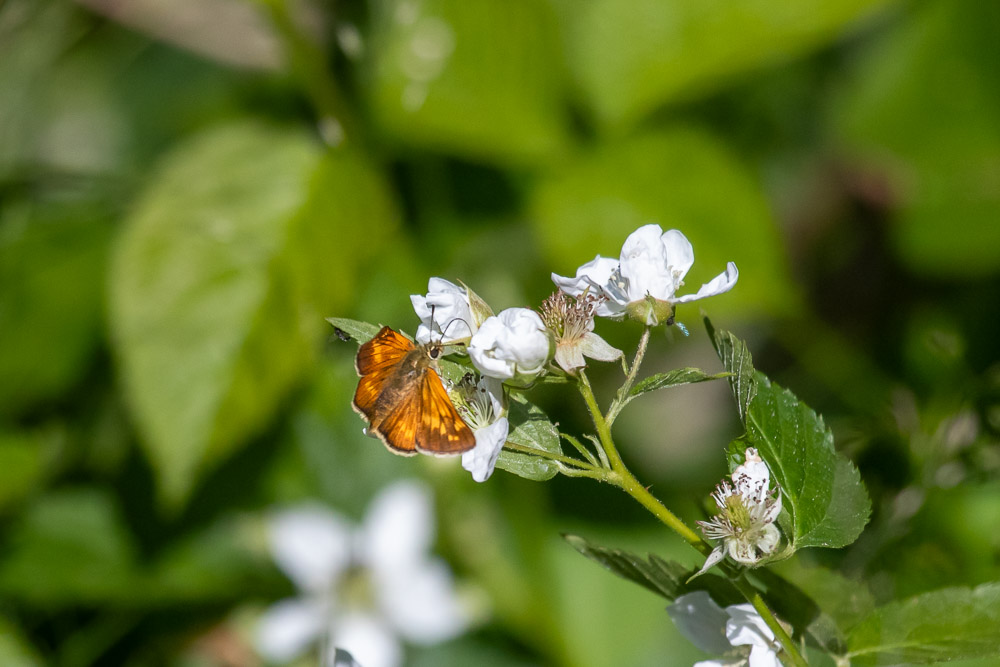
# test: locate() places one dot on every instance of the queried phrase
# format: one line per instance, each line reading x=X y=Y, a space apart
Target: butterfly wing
x=442 y=430
x=398 y=428
x=376 y=361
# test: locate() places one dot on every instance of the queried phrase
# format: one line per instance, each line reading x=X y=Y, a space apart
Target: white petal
x=721 y=283
x=644 y=265
x=421 y=604
x=590 y=277
x=369 y=640
x=399 y=527
x=597 y=348
x=311 y=544
x=718 y=553
x=514 y=342
x=701 y=621
x=746 y=627
x=444 y=312
x=288 y=627
x=482 y=459
x=680 y=254
x=764 y=656
x=769 y=539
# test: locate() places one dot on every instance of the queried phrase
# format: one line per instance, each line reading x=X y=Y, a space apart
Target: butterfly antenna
x=453 y=321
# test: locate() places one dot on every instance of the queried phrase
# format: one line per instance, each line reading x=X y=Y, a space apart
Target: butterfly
x=404 y=400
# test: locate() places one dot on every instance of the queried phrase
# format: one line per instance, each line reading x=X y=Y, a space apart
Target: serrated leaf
x=821 y=490
x=220 y=281
x=738 y=361
x=674 y=378
x=666 y=578
x=947 y=624
x=360 y=332
x=530 y=427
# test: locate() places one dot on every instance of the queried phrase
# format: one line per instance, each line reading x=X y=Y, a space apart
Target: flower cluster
x=517 y=346
x=736 y=633
x=748 y=508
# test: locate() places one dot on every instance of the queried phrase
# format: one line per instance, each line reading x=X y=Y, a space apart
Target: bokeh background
x=188 y=187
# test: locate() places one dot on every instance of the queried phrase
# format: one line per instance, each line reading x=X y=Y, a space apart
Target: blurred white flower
x=725 y=632
x=513 y=344
x=448 y=312
x=644 y=281
x=571 y=320
x=360 y=588
x=748 y=509
x=481 y=405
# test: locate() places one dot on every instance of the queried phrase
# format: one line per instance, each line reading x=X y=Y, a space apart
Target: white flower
x=644 y=281
x=571 y=320
x=725 y=632
x=748 y=509
x=360 y=588
x=513 y=344
x=481 y=405
x=448 y=312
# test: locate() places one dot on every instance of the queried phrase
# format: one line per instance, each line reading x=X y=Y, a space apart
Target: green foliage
x=674 y=378
x=228 y=248
x=629 y=57
x=529 y=427
x=948 y=624
x=923 y=110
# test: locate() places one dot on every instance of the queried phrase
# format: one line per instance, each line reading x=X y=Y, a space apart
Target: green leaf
x=25 y=459
x=920 y=112
x=476 y=79
x=821 y=490
x=666 y=578
x=220 y=283
x=627 y=58
x=360 y=332
x=15 y=651
x=69 y=548
x=530 y=427
x=947 y=624
x=52 y=259
x=737 y=360
x=681 y=177
x=674 y=378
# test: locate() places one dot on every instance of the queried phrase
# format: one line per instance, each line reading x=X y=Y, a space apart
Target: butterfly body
x=404 y=400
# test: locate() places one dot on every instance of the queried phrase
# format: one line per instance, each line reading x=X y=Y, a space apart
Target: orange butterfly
x=402 y=397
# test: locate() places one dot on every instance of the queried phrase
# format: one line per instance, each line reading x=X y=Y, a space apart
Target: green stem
x=566 y=460
x=622 y=477
x=622 y=398
x=580 y=448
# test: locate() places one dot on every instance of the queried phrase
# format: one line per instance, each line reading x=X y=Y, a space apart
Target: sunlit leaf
x=360 y=332
x=221 y=281
x=947 y=624
x=737 y=360
x=630 y=56
x=476 y=79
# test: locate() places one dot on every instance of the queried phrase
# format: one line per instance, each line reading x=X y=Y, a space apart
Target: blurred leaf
x=822 y=491
x=475 y=79
x=923 y=108
x=737 y=360
x=15 y=651
x=229 y=31
x=360 y=332
x=947 y=624
x=69 y=548
x=666 y=578
x=52 y=258
x=221 y=280
x=844 y=600
x=530 y=427
x=682 y=178
x=24 y=461
x=629 y=57
x=674 y=378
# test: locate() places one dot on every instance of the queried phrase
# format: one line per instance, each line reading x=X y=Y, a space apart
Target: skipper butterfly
x=404 y=400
